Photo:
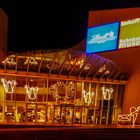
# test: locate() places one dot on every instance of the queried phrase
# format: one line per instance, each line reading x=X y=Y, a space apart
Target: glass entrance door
x=77 y=115
x=57 y=114
x=31 y=112
x=10 y=113
x=41 y=113
x=63 y=114
x=20 y=114
x=69 y=114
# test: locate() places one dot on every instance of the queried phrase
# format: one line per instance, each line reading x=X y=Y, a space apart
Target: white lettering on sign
x=102 y=39
x=129 y=22
x=129 y=42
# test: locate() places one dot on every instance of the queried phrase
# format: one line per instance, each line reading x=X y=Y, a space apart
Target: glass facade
x=53 y=101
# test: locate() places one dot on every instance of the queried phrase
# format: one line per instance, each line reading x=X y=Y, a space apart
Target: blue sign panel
x=102 y=38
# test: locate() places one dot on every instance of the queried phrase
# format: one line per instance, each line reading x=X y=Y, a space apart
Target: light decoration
x=9 y=85
x=68 y=65
x=9 y=60
x=80 y=63
x=73 y=61
x=31 y=92
x=59 y=83
x=107 y=72
x=87 y=67
x=88 y=96
x=56 y=65
x=31 y=60
x=106 y=92
x=131 y=117
x=103 y=68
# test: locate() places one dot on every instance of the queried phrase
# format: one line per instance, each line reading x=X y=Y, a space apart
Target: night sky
x=40 y=24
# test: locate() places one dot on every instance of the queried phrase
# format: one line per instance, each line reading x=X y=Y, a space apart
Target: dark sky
x=51 y=24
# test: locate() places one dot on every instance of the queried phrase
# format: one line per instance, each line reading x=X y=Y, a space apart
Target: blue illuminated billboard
x=102 y=38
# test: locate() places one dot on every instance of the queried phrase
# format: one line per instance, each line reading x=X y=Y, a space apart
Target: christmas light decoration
x=80 y=63
x=88 y=96
x=131 y=117
x=107 y=72
x=87 y=67
x=9 y=60
x=56 y=65
x=31 y=92
x=107 y=93
x=9 y=85
x=67 y=65
x=102 y=68
x=59 y=83
x=31 y=60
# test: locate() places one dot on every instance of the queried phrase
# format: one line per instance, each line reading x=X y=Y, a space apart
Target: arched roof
x=61 y=63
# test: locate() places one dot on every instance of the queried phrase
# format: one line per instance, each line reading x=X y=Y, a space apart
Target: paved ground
x=69 y=132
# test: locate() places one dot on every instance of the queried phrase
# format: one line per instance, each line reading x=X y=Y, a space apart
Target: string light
x=59 y=83
x=56 y=65
x=9 y=85
x=107 y=72
x=87 y=67
x=107 y=93
x=88 y=96
x=102 y=68
x=9 y=60
x=31 y=92
x=132 y=116
x=31 y=60
x=68 y=65
x=80 y=63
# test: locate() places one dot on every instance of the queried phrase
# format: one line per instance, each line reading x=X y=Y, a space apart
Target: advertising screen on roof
x=102 y=38
x=129 y=33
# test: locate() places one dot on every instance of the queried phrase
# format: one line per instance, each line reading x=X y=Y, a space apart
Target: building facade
x=65 y=87
x=59 y=87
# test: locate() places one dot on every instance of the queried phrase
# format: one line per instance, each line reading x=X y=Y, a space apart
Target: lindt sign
x=102 y=38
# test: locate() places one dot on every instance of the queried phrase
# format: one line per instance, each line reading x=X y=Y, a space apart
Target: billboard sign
x=102 y=38
x=129 y=33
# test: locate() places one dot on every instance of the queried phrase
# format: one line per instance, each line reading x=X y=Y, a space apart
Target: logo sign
x=129 y=33
x=102 y=38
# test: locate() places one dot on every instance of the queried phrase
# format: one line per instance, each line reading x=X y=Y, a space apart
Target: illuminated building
x=60 y=87
x=57 y=88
